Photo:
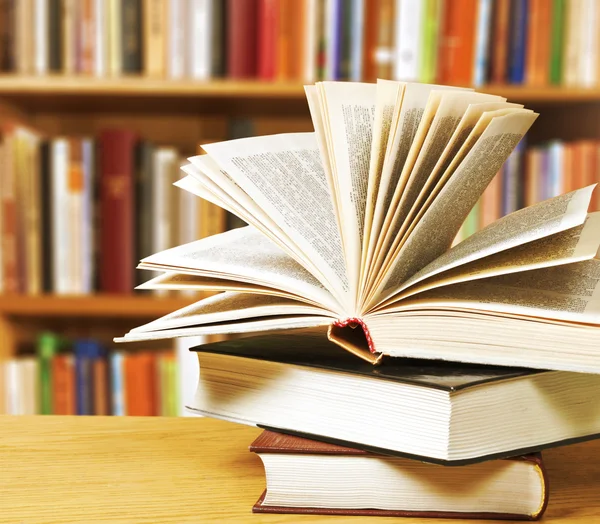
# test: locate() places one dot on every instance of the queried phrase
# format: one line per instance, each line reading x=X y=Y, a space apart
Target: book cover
x=117 y=172
x=241 y=38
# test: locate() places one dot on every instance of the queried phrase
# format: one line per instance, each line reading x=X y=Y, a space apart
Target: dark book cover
x=242 y=18
x=46 y=217
x=517 y=40
x=131 y=36
x=117 y=242
x=84 y=387
x=55 y=39
x=8 y=36
x=143 y=204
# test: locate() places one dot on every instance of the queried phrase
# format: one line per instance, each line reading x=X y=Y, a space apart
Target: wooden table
x=114 y=469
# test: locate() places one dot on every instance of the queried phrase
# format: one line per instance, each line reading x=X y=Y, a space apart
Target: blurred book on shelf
x=83 y=377
x=464 y=42
x=78 y=213
x=536 y=173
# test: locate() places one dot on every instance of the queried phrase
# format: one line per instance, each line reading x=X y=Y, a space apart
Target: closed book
x=338 y=480
x=63 y=385
x=8 y=36
x=86 y=35
x=55 y=40
x=588 y=44
x=357 y=40
x=345 y=55
x=557 y=31
x=29 y=386
x=482 y=412
x=131 y=36
x=100 y=37
x=499 y=59
x=41 y=36
x=538 y=42
x=517 y=41
x=48 y=345
x=114 y=37
x=430 y=40
x=117 y=245
x=59 y=206
x=69 y=36
x=155 y=13
x=268 y=34
x=25 y=28
x=241 y=38
x=457 y=45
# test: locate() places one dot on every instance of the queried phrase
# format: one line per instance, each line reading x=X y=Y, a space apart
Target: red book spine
x=268 y=14
x=63 y=385
x=242 y=18
x=116 y=208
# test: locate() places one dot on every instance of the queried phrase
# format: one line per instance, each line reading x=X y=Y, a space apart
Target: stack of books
x=390 y=356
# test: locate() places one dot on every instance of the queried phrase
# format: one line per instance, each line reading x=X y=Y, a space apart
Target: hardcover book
x=350 y=227
x=306 y=476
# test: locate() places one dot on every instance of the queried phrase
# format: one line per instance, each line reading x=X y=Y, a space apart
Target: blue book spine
x=334 y=39
x=83 y=378
x=482 y=46
x=117 y=384
x=517 y=41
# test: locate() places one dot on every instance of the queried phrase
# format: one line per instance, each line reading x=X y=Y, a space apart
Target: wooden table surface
x=115 y=469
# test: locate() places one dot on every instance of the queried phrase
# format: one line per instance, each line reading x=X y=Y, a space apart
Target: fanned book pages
x=351 y=227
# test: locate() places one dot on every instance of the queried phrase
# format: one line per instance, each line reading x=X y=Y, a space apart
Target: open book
x=351 y=227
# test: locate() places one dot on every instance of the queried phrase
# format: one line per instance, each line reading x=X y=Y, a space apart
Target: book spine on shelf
x=517 y=41
x=483 y=28
x=555 y=158
x=268 y=30
x=241 y=38
x=99 y=37
x=131 y=36
x=457 y=43
x=117 y=384
x=12 y=387
x=345 y=41
x=200 y=34
x=41 y=37
x=310 y=40
x=29 y=386
x=87 y=237
x=75 y=220
x=116 y=211
x=86 y=41
x=144 y=153
x=557 y=41
x=55 y=40
x=8 y=36
x=46 y=216
x=83 y=379
x=69 y=22
x=25 y=30
x=47 y=347
x=178 y=39
x=11 y=278
x=384 y=54
x=588 y=44
x=499 y=57
x=155 y=13
x=218 y=33
x=409 y=36
x=59 y=165
x=429 y=41
x=357 y=40
x=114 y=37
x=101 y=392
x=333 y=30
x=63 y=385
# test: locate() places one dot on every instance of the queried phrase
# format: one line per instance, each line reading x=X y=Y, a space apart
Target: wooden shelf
x=108 y=306
x=64 y=93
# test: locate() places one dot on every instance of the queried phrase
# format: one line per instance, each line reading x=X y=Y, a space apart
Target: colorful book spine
x=117 y=383
x=47 y=348
x=333 y=34
x=517 y=41
x=410 y=21
x=483 y=28
x=557 y=41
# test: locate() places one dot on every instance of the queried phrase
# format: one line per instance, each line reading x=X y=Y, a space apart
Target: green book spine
x=557 y=32
x=429 y=35
x=163 y=373
x=47 y=347
x=173 y=389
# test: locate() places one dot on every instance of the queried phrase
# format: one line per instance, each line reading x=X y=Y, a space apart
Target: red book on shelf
x=63 y=385
x=538 y=43
x=457 y=47
x=242 y=18
x=268 y=29
x=500 y=35
x=117 y=211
